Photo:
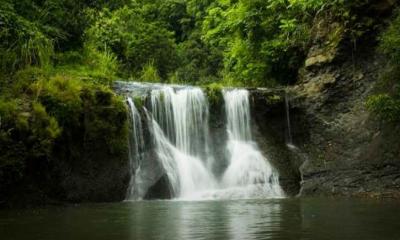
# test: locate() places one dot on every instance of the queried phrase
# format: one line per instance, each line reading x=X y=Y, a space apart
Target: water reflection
x=251 y=219
x=286 y=219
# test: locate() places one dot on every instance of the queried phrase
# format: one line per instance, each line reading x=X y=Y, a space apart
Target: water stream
x=136 y=146
x=179 y=124
x=249 y=173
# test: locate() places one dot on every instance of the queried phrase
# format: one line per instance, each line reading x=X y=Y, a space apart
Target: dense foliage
x=236 y=42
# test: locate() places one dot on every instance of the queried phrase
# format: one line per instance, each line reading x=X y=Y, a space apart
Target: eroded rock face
x=328 y=35
x=218 y=136
x=341 y=148
x=348 y=151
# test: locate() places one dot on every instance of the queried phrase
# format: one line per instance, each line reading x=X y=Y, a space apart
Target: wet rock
x=270 y=132
x=348 y=151
x=160 y=190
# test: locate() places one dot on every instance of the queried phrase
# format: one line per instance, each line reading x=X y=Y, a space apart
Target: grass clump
x=385 y=104
x=214 y=93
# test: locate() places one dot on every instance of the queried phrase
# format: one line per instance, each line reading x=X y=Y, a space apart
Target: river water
x=287 y=219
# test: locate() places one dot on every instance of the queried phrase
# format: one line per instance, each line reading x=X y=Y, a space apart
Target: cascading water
x=178 y=120
x=289 y=140
x=136 y=145
x=183 y=115
x=180 y=129
x=248 y=169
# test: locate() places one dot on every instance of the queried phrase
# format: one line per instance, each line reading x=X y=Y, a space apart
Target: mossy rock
x=74 y=133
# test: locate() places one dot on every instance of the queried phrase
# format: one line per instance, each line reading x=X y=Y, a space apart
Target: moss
x=385 y=107
x=54 y=121
x=390 y=40
x=23 y=79
x=27 y=137
x=103 y=97
x=139 y=101
x=102 y=119
x=214 y=93
x=273 y=98
x=385 y=103
x=31 y=125
x=104 y=127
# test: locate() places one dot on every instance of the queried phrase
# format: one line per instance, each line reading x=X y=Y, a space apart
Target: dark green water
x=248 y=219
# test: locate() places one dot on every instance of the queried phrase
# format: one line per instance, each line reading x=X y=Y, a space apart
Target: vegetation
x=234 y=42
x=214 y=93
x=54 y=119
x=386 y=103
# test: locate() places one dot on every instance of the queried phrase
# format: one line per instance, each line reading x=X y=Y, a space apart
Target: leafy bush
x=105 y=63
x=385 y=106
x=214 y=93
x=198 y=61
x=149 y=73
x=135 y=41
x=23 y=80
x=390 y=41
x=262 y=40
x=22 y=42
x=27 y=136
x=101 y=67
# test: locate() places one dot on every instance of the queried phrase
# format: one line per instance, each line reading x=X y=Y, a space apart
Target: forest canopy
x=235 y=42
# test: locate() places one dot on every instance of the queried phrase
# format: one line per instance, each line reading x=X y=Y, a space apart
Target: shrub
x=385 y=107
x=390 y=41
x=386 y=104
x=103 y=64
x=214 y=93
x=24 y=79
x=134 y=40
x=22 y=42
x=27 y=136
x=150 y=73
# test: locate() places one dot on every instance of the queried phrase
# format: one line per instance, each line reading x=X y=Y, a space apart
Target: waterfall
x=248 y=168
x=289 y=141
x=178 y=119
x=136 y=145
x=237 y=108
x=183 y=115
x=180 y=129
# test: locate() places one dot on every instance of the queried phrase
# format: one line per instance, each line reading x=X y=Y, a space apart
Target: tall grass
x=150 y=73
x=23 y=43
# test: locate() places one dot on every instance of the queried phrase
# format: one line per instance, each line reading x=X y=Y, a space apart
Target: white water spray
x=180 y=128
x=136 y=145
x=248 y=168
x=178 y=119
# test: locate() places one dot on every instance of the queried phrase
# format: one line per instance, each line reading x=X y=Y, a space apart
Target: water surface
x=242 y=219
